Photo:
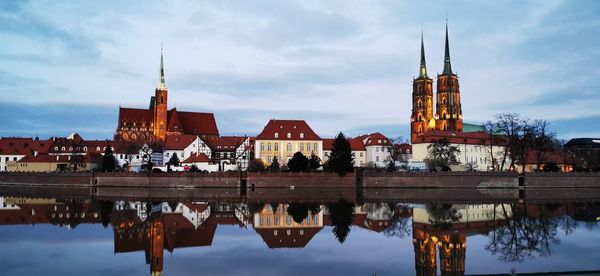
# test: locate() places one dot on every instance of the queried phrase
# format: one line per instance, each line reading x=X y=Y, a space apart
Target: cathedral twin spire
x=447 y=64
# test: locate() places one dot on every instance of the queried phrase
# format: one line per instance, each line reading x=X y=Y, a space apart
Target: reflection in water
x=516 y=232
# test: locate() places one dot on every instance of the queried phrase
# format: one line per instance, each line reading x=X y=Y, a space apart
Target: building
x=377 y=149
x=277 y=228
x=52 y=163
x=155 y=123
x=475 y=145
x=15 y=148
x=563 y=160
x=587 y=150
x=283 y=138
x=229 y=152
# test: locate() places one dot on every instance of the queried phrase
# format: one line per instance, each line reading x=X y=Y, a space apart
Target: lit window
x=289 y=135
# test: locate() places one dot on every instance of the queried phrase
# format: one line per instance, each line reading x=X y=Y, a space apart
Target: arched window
x=301 y=135
x=63 y=149
x=276 y=135
x=289 y=135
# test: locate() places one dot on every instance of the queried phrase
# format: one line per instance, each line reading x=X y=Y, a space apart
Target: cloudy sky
x=341 y=65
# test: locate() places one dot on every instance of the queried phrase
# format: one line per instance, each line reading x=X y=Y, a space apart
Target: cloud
x=345 y=65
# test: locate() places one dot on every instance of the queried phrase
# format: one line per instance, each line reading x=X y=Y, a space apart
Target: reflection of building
x=445 y=229
x=278 y=229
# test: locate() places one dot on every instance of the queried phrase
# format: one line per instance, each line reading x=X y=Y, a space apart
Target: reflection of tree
x=298 y=211
x=400 y=226
x=442 y=215
x=105 y=212
x=341 y=213
x=522 y=237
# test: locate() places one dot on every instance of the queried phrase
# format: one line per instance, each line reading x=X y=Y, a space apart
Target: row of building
x=157 y=133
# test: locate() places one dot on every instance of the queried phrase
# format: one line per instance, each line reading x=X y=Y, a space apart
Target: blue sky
x=341 y=65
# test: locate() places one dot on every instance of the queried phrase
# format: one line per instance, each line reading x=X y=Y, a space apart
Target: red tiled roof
x=196 y=207
x=196 y=123
x=224 y=143
x=178 y=141
x=23 y=146
x=137 y=115
x=472 y=138
x=375 y=139
x=355 y=144
x=283 y=127
x=45 y=158
x=282 y=239
x=197 y=158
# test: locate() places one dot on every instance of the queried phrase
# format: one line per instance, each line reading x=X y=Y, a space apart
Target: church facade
x=156 y=122
x=447 y=115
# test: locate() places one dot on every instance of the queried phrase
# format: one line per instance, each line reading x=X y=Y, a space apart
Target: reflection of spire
x=156 y=248
x=423 y=68
x=447 y=65
x=161 y=83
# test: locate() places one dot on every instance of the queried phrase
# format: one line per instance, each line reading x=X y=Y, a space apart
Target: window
x=316 y=147
x=289 y=135
x=377 y=149
x=288 y=220
x=269 y=220
x=289 y=146
x=269 y=147
x=274 y=232
x=56 y=148
x=361 y=154
x=63 y=149
x=316 y=220
x=301 y=135
x=269 y=159
x=276 y=146
x=301 y=232
x=276 y=135
x=377 y=158
x=301 y=147
x=276 y=220
x=262 y=146
x=288 y=232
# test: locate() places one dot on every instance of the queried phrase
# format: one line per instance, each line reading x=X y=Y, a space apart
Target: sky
x=340 y=65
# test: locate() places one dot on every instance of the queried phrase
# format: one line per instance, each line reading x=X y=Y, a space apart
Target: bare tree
x=509 y=124
x=394 y=148
x=543 y=141
x=491 y=129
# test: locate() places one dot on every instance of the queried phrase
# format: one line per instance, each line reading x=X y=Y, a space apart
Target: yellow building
x=279 y=230
x=51 y=163
x=283 y=138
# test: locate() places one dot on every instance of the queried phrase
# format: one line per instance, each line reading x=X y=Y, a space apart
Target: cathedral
x=448 y=112
x=156 y=122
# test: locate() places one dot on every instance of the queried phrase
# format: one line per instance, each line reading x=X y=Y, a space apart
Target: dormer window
x=276 y=135
x=301 y=135
x=289 y=135
x=84 y=148
x=56 y=148
x=63 y=149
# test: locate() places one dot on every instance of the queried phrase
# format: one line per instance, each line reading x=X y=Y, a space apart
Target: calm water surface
x=42 y=234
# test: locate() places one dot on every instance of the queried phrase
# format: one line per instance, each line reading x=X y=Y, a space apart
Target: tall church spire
x=161 y=83
x=447 y=65
x=423 y=68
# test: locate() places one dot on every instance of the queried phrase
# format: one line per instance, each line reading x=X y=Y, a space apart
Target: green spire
x=423 y=68
x=447 y=65
x=161 y=83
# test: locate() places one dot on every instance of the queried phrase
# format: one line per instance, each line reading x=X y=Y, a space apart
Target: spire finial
x=161 y=83
x=423 y=67
x=447 y=65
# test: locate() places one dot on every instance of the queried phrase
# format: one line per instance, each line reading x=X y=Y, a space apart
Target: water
x=88 y=234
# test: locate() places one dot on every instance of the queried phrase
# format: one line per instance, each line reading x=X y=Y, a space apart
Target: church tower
x=448 y=108
x=160 y=105
x=421 y=119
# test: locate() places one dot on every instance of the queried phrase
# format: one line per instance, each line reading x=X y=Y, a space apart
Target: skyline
x=73 y=65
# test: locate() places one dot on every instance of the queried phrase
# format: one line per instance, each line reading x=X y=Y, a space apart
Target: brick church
x=156 y=122
x=448 y=113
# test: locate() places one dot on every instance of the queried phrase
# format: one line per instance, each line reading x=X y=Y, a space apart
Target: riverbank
x=246 y=180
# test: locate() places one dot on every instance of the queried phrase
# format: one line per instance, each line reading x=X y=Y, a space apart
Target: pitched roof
x=278 y=130
x=197 y=123
x=197 y=158
x=283 y=240
x=225 y=143
x=23 y=146
x=355 y=144
x=374 y=139
x=135 y=115
x=456 y=137
x=583 y=143
x=178 y=141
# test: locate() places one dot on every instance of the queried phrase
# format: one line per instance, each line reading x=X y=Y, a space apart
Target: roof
x=23 y=146
x=225 y=143
x=355 y=144
x=197 y=123
x=137 y=115
x=472 y=127
x=374 y=139
x=282 y=239
x=558 y=157
x=197 y=158
x=583 y=143
x=178 y=141
x=456 y=137
x=279 y=129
